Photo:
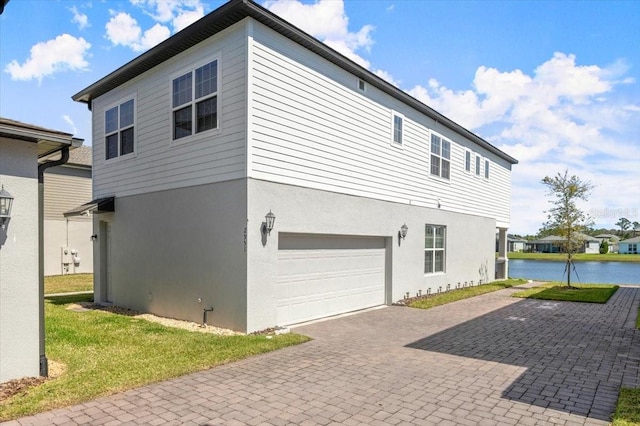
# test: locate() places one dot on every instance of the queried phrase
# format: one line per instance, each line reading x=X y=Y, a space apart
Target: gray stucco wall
x=73 y=234
x=171 y=248
x=19 y=349
x=470 y=244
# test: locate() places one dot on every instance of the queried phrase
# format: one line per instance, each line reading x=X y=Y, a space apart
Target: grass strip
x=588 y=293
x=68 y=283
x=106 y=353
x=628 y=408
x=578 y=257
x=434 y=300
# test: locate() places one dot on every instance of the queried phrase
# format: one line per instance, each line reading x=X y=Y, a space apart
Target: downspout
x=44 y=365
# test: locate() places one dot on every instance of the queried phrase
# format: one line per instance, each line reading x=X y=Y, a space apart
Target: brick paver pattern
x=490 y=360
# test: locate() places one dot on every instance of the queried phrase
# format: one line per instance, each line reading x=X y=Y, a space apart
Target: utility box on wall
x=69 y=259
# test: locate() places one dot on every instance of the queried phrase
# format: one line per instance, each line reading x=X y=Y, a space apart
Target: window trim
x=361 y=85
x=468 y=153
x=195 y=101
x=395 y=114
x=486 y=168
x=439 y=156
x=134 y=125
x=478 y=165
x=434 y=249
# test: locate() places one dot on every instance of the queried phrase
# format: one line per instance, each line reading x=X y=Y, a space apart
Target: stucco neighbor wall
x=171 y=248
x=470 y=243
x=19 y=341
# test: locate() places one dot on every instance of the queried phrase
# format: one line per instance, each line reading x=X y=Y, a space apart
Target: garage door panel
x=321 y=281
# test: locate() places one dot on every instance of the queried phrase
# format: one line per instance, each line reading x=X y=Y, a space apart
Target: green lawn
x=591 y=293
x=578 y=257
x=464 y=293
x=68 y=283
x=628 y=408
x=106 y=353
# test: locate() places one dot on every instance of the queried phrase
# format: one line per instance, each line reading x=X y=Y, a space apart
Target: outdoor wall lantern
x=403 y=231
x=5 y=207
x=269 y=220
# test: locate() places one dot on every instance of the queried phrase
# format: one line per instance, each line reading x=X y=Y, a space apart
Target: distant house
x=630 y=246
x=67 y=240
x=515 y=244
x=25 y=151
x=243 y=166
x=555 y=244
x=611 y=239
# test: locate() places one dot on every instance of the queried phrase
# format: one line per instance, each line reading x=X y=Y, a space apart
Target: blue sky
x=555 y=84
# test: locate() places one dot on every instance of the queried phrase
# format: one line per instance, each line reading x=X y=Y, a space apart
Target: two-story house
x=241 y=123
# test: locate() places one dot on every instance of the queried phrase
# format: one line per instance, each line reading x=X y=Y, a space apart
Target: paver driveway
x=487 y=360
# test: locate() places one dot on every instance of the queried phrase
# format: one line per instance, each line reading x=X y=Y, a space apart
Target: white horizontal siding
x=312 y=127
x=159 y=162
x=64 y=189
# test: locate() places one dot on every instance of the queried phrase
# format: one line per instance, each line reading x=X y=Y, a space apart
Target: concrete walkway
x=490 y=360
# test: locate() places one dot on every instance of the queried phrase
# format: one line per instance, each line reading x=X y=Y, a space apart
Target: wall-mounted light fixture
x=5 y=207
x=269 y=220
x=403 y=231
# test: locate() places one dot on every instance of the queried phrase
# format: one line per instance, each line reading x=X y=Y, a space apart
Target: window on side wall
x=486 y=169
x=467 y=161
x=119 y=125
x=397 y=128
x=440 y=157
x=434 y=248
x=477 y=165
x=194 y=101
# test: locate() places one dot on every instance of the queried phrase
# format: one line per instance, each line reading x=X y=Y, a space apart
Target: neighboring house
x=67 y=240
x=515 y=244
x=630 y=246
x=611 y=239
x=241 y=118
x=555 y=244
x=22 y=147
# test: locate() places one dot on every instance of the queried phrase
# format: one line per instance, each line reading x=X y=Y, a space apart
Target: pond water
x=583 y=272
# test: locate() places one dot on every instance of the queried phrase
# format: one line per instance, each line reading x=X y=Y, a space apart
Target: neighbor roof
x=631 y=240
x=48 y=140
x=81 y=156
x=236 y=10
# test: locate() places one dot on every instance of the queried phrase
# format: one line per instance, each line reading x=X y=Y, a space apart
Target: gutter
x=44 y=364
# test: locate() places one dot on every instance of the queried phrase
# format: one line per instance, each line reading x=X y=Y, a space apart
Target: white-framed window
x=397 y=128
x=467 y=161
x=478 y=165
x=486 y=169
x=633 y=248
x=119 y=129
x=362 y=85
x=195 y=101
x=434 y=248
x=440 y=157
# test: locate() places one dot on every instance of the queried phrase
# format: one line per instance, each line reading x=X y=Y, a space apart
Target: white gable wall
x=159 y=163
x=311 y=126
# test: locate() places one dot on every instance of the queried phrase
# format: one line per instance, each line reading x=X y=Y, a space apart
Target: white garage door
x=322 y=275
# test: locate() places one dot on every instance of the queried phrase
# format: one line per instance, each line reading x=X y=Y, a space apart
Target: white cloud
x=72 y=126
x=327 y=21
x=63 y=53
x=79 y=18
x=180 y=13
x=122 y=29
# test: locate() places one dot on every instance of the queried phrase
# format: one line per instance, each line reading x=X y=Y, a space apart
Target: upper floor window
x=434 y=248
x=486 y=169
x=195 y=101
x=362 y=85
x=119 y=129
x=477 y=165
x=397 y=128
x=467 y=161
x=440 y=157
